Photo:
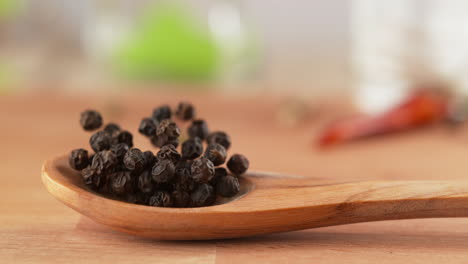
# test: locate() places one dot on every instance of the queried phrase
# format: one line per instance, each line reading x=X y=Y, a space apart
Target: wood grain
x=36 y=228
x=300 y=203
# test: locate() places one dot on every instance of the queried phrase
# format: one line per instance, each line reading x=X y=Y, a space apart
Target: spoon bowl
x=267 y=203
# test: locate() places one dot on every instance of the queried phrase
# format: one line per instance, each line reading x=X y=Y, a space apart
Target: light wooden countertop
x=35 y=228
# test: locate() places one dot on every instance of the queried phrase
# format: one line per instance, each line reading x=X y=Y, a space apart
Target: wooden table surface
x=36 y=228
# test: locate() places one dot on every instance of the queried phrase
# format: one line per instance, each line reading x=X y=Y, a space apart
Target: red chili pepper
x=422 y=108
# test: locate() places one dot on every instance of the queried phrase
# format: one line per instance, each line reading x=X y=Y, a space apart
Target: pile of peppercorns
x=191 y=178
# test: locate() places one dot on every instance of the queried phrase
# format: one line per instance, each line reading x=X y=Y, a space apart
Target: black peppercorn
x=163 y=171
x=169 y=178
x=219 y=173
x=238 y=164
x=216 y=153
x=134 y=160
x=99 y=182
x=203 y=196
x=184 y=165
x=228 y=186
x=90 y=120
x=78 y=159
x=100 y=141
x=126 y=138
x=192 y=148
x=112 y=128
x=158 y=141
x=183 y=179
x=168 y=152
x=199 y=129
x=110 y=159
x=185 y=111
x=88 y=174
x=168 y=128
x=162 y=112
x=121 y=182
x=119 y=150
x=104 y=161
x=145 y=183
x=160 y=199
x=180 y=199
x=150 y=159
x=92 y=178
x=202 y=170
x=148 y=126
x=219 y=137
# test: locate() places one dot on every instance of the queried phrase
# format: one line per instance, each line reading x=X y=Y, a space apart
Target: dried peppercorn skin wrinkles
x=265 y=204
x=228 y=186
x=192 y=148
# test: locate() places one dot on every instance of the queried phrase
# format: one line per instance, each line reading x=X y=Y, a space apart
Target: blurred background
x=372 y=50
x=234 y=46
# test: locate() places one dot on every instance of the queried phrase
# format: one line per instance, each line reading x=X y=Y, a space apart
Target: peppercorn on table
x=35 y=228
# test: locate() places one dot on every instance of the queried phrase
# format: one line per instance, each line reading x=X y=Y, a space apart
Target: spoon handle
x=375 y=201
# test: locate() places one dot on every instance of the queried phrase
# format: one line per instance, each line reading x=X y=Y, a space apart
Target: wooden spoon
x=267 y=203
